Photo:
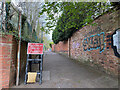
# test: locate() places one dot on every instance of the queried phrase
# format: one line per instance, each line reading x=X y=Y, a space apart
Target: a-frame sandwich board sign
x=34 y=49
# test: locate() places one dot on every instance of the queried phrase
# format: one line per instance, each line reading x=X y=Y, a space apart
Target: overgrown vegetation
x=68 y=17
x=50 y=44
x=10 y=24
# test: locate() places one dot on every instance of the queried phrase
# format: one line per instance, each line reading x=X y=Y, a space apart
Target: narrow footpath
x=62 y=72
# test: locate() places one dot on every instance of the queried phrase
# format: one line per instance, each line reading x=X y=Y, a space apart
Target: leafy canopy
x=68 y=17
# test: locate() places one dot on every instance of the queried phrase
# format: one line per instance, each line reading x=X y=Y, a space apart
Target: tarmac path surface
x=62 y=72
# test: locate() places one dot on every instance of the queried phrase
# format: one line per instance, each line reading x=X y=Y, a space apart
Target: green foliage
x=50 y=44
x=8 y=24
x=12 y=29
x=68 y=17
x=116 y=4
x=24 y=18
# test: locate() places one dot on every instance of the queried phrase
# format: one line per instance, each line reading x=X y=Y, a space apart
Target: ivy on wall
x=11 y=24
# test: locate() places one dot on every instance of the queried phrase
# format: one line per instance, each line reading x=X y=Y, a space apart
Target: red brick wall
x=103 y=56
x=13 y=63
x=93 y=44
x=53 y=48
x=5 y=52
x=8 y=60
x=60 y=47
x=0 y=66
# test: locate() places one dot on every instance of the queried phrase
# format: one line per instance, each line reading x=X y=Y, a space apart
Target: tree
x=74 y=16
x=47 y=40
x=116 y=4
x=31 y=10
x=54 y=10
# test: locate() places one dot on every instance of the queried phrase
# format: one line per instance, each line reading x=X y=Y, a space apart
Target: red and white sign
x=35 y=48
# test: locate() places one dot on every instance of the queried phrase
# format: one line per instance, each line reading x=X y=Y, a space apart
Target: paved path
x=62 y=72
